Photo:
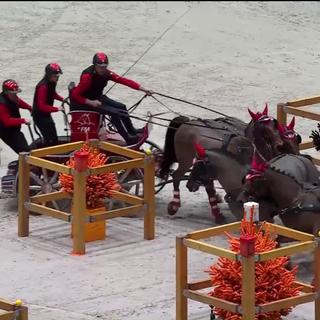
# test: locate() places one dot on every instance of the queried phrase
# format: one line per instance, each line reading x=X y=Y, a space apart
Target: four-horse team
x=257 y=161
x=250 y=160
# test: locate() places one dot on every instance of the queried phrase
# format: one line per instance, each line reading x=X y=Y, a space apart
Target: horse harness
x=304 y=208
x=227 y=136
x=307 y=187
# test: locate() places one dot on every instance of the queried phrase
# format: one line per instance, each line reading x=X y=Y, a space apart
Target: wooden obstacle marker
x=192 y=290
x=300 y=108
x=79 y=215
x=13 y=311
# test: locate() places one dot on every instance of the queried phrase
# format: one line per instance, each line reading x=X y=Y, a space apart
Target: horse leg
x=175 y=204
x=214 y=199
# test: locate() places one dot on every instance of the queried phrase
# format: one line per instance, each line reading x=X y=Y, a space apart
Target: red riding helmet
x=53 y=68
x=100 y=59
x=10 y=86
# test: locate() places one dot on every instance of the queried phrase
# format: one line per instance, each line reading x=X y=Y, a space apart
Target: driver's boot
x=128 y=124
x=128 y=137
x=131 y=139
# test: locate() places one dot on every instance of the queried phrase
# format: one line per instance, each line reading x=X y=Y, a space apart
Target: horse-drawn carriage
x=238 y=146
x=81 y=126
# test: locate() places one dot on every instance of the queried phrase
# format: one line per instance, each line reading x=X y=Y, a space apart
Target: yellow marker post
x=18 y=303
x=148 y=152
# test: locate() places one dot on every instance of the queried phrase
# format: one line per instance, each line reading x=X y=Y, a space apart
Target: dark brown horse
x=228 y=171
x=228 y=135
x=291 y=183
x=231 y=170
x=291 y=139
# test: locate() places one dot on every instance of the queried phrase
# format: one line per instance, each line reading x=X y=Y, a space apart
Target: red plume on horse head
x=292 y=124
x=258 y=115
x=287 y=128
x=201 y=152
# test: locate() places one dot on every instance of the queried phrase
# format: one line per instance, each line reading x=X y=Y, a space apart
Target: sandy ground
x=226 y=56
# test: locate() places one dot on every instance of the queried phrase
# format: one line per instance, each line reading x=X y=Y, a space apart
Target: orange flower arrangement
x=272 y=280
x=98 y=186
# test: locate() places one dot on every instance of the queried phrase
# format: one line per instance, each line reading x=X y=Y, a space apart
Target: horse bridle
x=256 y=150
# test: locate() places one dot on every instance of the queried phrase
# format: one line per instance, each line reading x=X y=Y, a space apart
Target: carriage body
x=82 y=125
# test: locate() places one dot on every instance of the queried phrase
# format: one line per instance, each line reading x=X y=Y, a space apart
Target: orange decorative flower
x=98 y=186
x=272 y=280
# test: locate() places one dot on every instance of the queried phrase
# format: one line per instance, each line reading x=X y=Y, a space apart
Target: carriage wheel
x=132 y=179
x=45 y=181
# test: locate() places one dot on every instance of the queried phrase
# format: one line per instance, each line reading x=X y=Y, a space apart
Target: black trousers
x=16 y=141
x=118 y=114
x=48 y=130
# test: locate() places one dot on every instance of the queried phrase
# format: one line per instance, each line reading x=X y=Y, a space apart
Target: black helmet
x=100 y=59
x=53 y=68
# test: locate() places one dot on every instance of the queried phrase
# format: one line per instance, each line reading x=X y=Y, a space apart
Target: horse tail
x=169 y=155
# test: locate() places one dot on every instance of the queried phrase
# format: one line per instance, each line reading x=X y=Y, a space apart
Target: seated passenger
x=44 y=96
x=10 y=118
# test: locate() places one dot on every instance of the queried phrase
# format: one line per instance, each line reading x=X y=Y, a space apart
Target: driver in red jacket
x=10 y=117
x=88 y=95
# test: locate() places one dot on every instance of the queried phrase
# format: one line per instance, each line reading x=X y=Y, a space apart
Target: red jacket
x=91 y=85
x=9 y=111
x=43 y=99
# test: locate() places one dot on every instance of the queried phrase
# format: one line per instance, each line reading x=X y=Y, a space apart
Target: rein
x=256 y=150
x=191 y=103
x=301 y=208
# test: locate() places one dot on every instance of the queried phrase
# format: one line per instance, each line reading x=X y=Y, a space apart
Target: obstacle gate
x=248 y=309
x=79 y=213
x=13 y=311
x=300 y=108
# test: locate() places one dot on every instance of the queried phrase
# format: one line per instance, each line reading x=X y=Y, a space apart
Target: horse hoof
x=220 y=219
x=172 y=209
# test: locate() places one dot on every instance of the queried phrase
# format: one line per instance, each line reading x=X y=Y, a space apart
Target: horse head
x=290 y=138
x=200 y=173
x=254 y=118
x=255 y=185
x=263 y=132
x=256 y=188
x=228 y=166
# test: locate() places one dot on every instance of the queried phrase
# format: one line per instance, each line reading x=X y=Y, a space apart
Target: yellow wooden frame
x=78 y=215
x=191 y=290
x=300 y=108
x=13 y=309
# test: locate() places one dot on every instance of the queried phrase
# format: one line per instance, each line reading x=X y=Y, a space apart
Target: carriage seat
x=84 y=125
